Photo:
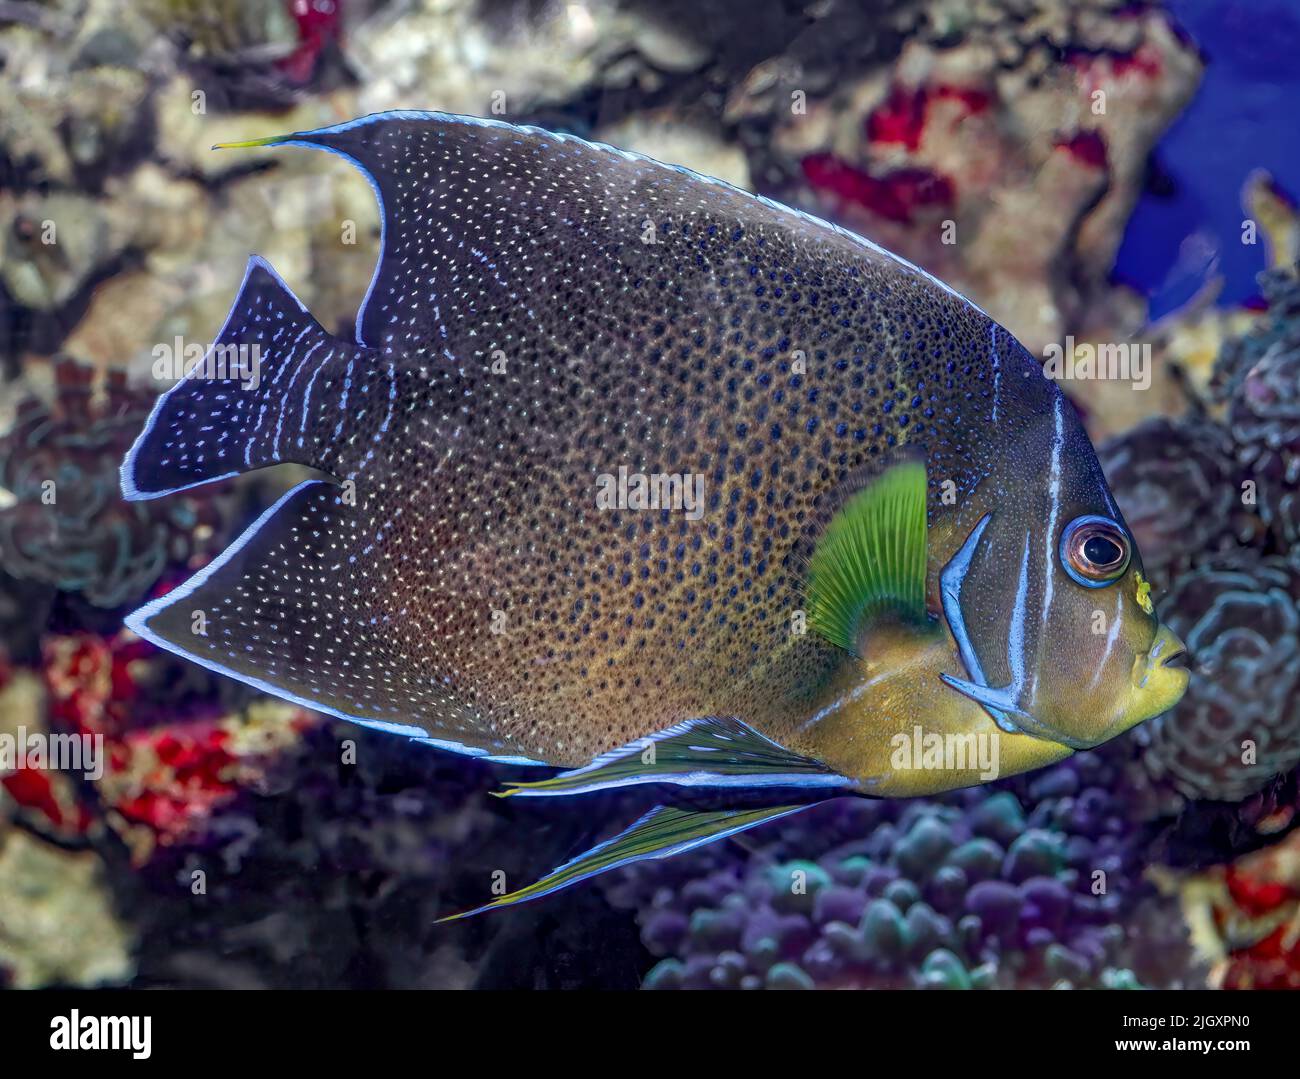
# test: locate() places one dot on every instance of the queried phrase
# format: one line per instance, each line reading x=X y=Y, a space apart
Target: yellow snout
x=1157 y=685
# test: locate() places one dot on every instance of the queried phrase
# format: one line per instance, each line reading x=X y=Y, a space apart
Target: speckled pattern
x=544 y=312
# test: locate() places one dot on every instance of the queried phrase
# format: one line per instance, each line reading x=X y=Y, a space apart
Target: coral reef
x=336 y=873
x=1259 y=375
x=1245 y=916
x=170 y=765
x=1213 y=506
x=1003 y=140
x=57 y=918
x=1177 y=485
x=173 y=759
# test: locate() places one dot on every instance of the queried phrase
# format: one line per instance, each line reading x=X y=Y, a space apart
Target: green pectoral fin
x=871 y=557
x=710 y=752
x=661 y=833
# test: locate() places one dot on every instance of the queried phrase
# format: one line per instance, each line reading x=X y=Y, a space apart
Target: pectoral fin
x=871 y=557
x=661 y=833
x=711 y=752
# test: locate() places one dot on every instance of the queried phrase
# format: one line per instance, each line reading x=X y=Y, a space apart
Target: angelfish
x=903 y=534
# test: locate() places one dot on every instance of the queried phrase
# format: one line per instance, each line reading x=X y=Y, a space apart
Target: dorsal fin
x=462 y=198
x=871 y=557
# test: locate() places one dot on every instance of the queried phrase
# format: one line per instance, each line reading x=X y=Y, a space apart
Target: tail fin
x=256 y=398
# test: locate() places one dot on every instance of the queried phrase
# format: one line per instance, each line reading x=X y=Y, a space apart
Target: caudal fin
x=259 y=396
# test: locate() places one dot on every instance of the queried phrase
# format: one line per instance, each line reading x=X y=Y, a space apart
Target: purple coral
x=1036 y=883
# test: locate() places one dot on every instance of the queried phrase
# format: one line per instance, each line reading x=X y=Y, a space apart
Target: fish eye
x=1094 y=551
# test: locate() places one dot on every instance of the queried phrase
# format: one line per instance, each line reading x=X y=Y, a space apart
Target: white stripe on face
x=1054 y=492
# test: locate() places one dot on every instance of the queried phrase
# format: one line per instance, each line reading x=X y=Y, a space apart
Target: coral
x=57 y=919
x=1034 y=883
x=1215 y=507
x=66 y=524
x=1177 y=486
x=1239 y=723
x=1276 y=332
x=55 y=246
x=76 y=113
x=444 y=51
x=43 y=797
x=1245 y=917
x=250 y=53
x=1265 y=888
x=338 y=874
x=1259 y=374
x=1003 y=149
x=174 y=758
x=255 y=845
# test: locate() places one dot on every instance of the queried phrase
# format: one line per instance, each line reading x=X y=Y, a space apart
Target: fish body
x=618 y=450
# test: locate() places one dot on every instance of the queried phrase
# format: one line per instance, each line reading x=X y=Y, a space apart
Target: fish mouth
x=1167 y=652
x=1160 y=679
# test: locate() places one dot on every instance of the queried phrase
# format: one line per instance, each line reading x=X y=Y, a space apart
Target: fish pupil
x=1101 y=550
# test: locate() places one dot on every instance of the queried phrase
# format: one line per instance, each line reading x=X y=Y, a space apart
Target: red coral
x=33 y=788
x=1098 y=69
x=903 y=115
x=900 y=119
x=188 y=772
x=1254 y=896
x=1260 y=918
x=895 y=196
x=319 y=23
x=1086 y=147
x=165 y=774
